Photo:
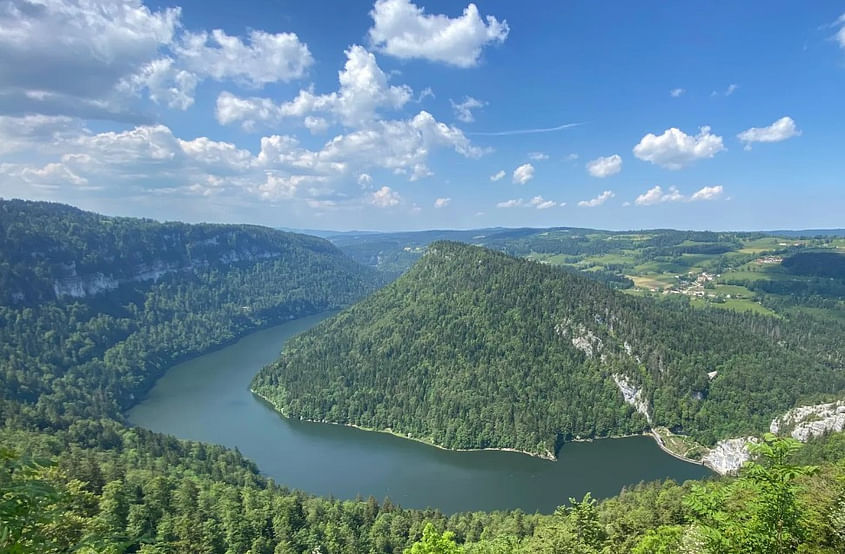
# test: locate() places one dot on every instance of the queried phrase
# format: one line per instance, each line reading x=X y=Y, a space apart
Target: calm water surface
x=208 y=399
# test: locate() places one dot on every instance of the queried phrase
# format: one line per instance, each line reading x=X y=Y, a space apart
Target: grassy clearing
x=680 y=444
x=764 y=244
x=774 y=274
x=622 y=257
x=735 y=291
x=736 y=304
x=658 y=282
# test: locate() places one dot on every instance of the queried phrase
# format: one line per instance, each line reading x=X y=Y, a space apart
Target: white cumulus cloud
x=53 y=175
x=149 y=159
x=538 y=156
x=656 y=195
x=523 y=174
x=605 y=166
x=463 y=110
x=598 y=200
x=403 y=30
x=537 y=202
x=93 y=58
x=541 y=203
x=708 y=193
x=675 y=149
x=385 y=197
x=781 y=129
x=167 y=83
x=362 y=93
x=499 y=175
x=676 y=92
x=69 y=57
x=263 y=58
x=442 y=202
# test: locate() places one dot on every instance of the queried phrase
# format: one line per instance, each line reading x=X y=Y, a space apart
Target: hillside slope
x=94 y=308
x=473 y=349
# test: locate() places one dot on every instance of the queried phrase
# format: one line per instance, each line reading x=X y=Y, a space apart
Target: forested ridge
x=67 y=358
x=474 y=349
x=75 y=478
x=52 y=251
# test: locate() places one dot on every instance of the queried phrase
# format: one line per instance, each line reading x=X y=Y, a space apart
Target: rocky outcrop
x=632 y=395
x=76 y=285
x=728 y=455
x=582 y=338
x=806 y=422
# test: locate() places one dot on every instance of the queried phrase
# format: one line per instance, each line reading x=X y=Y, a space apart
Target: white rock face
x=728 y=455
x=632 y=395
x=80 y=286
x=807 y=422
x=588 y=343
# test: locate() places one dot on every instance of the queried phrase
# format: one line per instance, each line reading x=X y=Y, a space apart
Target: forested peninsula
x=472 y=348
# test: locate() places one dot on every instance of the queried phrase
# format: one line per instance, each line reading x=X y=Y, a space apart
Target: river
x=208 y=399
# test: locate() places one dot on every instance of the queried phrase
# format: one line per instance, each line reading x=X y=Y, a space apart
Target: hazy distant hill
x=796 y=233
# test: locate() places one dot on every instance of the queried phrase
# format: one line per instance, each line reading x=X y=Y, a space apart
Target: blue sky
x=401 y=115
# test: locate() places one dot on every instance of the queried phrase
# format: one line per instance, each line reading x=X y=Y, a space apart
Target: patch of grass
x=680 y=444
x=764 y=244
x=734 y=290
x=658 y=282
x=615 y=258
x=736 y=304
x=762 y=273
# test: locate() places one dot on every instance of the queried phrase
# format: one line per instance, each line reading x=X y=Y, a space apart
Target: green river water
x=208 y=399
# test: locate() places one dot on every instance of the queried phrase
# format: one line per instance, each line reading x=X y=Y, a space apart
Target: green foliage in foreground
x=472 y=349
x=117 y=502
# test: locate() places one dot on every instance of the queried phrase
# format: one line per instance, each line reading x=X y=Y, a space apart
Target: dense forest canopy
x=472 y=348
x=53 y=251
x=135 y=296
x=817 y=264
x=92 y=353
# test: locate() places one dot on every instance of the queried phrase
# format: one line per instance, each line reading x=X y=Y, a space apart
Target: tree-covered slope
x=472 y=348
x=54 y=251
x=94 y=308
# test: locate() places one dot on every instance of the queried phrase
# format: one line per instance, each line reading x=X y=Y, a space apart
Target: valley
x=470 y=349
x=208 y=399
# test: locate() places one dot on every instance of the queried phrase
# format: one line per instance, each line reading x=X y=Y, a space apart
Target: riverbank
x=658 y=438
x=548 y=455
x=208 y=399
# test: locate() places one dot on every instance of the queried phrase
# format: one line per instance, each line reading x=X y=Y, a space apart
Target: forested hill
x=472 y=348
x=54 y=251
x=94 y=308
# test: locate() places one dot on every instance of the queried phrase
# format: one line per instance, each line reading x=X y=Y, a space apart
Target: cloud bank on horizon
x=416 y=119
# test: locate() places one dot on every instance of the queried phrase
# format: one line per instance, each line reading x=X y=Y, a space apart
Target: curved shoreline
x=659 y=440
x=548 y=456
